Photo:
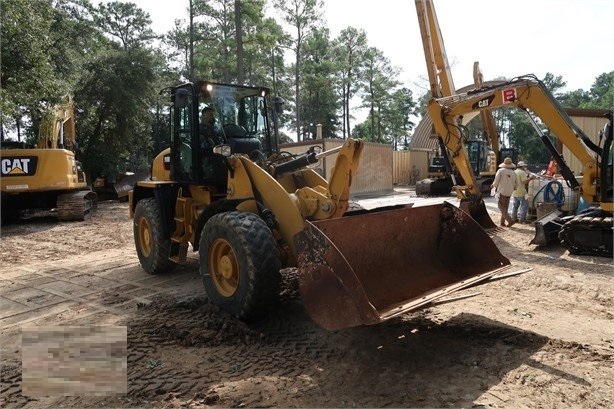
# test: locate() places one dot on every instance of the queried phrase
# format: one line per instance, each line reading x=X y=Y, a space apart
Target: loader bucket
x=477 y=210
x=365 y=269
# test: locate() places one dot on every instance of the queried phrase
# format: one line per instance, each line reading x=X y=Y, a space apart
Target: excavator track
x=588 y=235
x=76 y=206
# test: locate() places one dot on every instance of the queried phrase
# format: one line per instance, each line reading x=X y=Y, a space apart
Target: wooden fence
x=380 y=167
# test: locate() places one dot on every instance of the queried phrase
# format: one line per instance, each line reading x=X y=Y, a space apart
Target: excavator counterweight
x=47 y=176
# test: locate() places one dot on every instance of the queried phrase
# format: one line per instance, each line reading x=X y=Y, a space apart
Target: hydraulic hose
x=294 y=164
x=550 y=195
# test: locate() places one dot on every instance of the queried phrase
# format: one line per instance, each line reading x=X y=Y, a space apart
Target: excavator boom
x=442 y=86
x=526 y=93
x=590 y=233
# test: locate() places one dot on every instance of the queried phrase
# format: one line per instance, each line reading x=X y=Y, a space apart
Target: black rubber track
x=588 y=235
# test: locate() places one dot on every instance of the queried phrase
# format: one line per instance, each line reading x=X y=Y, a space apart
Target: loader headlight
x=223 y=150
x=315 y=148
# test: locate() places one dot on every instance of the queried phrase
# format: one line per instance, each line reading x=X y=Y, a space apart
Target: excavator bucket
x=367 y=268
x=477 y=210
x=126 y=182
x=547 y=229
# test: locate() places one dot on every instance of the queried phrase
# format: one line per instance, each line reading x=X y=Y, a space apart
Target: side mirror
x=181 y=98
x=223 y=150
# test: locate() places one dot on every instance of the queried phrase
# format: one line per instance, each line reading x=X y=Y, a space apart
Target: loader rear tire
x=239 y=264
x=152 y=247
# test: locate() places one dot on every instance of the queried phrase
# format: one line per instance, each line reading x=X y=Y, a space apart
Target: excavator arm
x=525 y=93
x=438 y=68
x=57 y=129
x=587 y=233
x=442 y=86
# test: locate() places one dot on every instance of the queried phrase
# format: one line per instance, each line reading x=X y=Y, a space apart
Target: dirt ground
x=542 y=339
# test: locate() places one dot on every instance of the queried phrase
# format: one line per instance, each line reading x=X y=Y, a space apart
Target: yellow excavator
x=588 y=233
x=46 y=176
x=485 y=152
x=250 y=210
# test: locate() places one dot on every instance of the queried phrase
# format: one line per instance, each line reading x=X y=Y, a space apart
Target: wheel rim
x=224 y=267
x=144 y=237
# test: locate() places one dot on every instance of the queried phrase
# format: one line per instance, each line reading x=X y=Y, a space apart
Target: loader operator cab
x=236 y=116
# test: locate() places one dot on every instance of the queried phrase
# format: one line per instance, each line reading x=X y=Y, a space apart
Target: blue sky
x=571 y=38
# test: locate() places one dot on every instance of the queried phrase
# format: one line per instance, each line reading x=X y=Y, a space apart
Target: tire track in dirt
x=186 y=350
x=284 y=344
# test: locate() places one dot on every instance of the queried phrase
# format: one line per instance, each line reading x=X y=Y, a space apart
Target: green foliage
x=319 y=103
x=124 y=22
x=524 y=138
x=380 y=83
x=106 y=57
x=601 y=92
x=575 y=99
x=115 y=122
x=349 y=57
x=302 y=16
x=554 y=83
x=27 y=73
x=362 y=131
x=398 y=117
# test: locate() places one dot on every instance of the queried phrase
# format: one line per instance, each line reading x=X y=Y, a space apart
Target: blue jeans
x=523 y=204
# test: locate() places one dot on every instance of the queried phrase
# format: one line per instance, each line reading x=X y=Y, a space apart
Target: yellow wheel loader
x=226 y=191
x=46 y=176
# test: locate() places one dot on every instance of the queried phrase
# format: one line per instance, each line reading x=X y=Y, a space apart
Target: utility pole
x=239 y=40
x=191 y=43
x=274 y=77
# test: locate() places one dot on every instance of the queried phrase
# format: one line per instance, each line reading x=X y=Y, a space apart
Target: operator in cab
x=210 y=136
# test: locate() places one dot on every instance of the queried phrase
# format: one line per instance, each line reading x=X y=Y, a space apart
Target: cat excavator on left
x=46 y=176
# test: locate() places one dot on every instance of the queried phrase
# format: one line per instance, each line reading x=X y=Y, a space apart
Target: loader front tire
x=152 y=247
x=239 y=264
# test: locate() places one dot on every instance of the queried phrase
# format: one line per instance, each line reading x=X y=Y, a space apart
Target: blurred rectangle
x=74 y=360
